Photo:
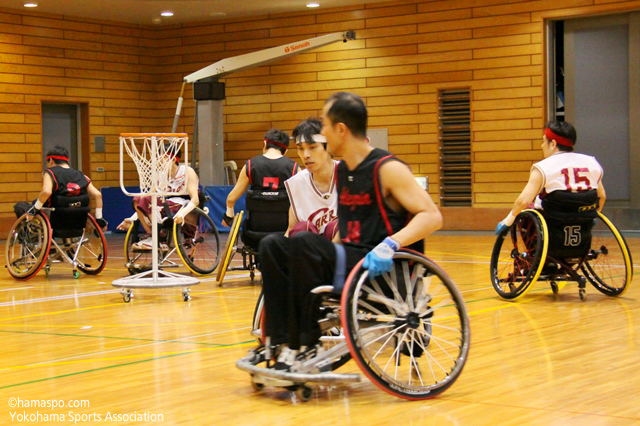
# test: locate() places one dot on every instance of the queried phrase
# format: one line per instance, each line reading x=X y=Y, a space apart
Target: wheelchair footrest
x=271 y=377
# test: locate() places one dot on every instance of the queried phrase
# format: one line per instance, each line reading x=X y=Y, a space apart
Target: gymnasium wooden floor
x=545 y=360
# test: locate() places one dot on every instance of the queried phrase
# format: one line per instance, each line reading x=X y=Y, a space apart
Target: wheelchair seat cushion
x=567 y=205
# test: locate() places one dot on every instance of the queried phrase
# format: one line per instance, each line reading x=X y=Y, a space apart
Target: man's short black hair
x=349 y=109
x=307 y=128
x=58 y=151
x=280 y=138
x=564 y=129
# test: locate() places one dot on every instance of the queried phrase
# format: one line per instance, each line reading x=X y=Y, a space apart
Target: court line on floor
x=15 y=288
x=93 y=370
x=60 y=297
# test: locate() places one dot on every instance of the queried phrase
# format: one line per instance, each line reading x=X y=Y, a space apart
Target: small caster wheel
x=76 y=274
x=554 y=287
x=127 y=296
x=252 y=275
x=186 y=297
x=583 y=294
x=257 y=386
x=47 y=269
x=304 y=393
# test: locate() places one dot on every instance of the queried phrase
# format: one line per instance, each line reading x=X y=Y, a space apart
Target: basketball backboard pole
x=210 y=114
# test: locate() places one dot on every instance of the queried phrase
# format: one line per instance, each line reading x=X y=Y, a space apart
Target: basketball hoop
x=154 y=154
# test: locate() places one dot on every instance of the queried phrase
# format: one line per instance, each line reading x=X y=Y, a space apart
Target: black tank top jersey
x=364 y=217
x=267 y=173
x=67 y=182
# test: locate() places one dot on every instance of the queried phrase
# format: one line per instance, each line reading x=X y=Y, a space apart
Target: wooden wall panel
x=406 y=51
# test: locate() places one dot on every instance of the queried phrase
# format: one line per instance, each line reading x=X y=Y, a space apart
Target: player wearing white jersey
x=312 y=192
x=184 y=180
x=561 y=170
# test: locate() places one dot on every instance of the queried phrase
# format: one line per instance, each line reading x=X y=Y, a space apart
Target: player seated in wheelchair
x=312 y=192
x=184 y=180
x=380 y=209
x=565 y=185
x=64 y=199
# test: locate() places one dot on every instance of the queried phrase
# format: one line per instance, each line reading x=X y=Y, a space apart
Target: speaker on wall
x=208 y=91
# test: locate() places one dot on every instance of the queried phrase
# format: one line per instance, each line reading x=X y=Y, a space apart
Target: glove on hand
x=380 y=259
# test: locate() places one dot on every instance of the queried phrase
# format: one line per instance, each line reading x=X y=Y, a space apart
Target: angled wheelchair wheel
x=92 y=255
x=28 y=245
x=407 y=330
x=518 y=255
x=198 y=242
x=229 y=247
x=137 y=261
x=608 y=266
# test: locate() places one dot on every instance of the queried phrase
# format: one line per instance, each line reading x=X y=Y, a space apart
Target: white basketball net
x=153 y=155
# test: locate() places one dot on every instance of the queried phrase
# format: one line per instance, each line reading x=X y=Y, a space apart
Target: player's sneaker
x=144 y=244
x=309 y=352
x=286 y=359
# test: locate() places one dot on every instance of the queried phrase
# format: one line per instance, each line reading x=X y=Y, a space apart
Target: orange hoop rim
x=146 y=135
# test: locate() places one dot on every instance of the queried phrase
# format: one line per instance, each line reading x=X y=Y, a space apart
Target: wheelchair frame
x=232 y=247
x=177 y=239
x=76 y=245
x=530 y=261
x=429 y=319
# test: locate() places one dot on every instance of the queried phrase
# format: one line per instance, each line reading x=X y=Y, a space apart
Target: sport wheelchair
x=68 y=234
x=267 y=213
x=408 y=331
x=196 y=242
x=567 y=241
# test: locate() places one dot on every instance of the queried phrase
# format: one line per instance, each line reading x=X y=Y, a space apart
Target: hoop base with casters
x=146 y=280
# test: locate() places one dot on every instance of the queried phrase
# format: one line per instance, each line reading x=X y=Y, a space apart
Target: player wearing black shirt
x=380 y=209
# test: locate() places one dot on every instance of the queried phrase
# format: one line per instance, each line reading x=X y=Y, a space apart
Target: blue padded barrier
x=117 y=206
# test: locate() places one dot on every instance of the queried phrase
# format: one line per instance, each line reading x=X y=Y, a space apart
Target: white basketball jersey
x=568 y=171
x=308 y=203
x=177 y=184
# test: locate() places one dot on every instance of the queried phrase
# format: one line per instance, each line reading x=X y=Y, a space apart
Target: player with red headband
x=263 y=172
x=59 y=179
x=561 y=170
x=183 y=180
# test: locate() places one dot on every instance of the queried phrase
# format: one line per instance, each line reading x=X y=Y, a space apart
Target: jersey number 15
x=577 y=174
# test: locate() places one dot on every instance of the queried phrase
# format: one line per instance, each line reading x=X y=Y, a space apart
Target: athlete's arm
x=399 y=184
x=241 y=187
x=47 y=188
x=529 y=193
x=95 y=194
x=292 y=221
x=192 y=188
x=603 y=196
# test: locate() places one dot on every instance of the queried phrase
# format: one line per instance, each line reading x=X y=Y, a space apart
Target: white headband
x=315 y=139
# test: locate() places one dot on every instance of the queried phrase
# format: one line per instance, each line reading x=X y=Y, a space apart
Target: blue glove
x=501 y=227
x=380 y=259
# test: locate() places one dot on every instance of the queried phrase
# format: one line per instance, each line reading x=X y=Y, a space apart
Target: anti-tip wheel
x=583 y=294
x=554 y=287
x=304 y=393
x=258 y=387
x=186 y=297
x=76 y=274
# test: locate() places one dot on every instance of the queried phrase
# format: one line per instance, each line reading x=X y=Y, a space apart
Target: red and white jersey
x=568 y=171
x=178 y=184
x=308 y=203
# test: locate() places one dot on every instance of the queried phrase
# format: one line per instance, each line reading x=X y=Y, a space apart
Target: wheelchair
x=407 y=331
x=196 y=243
x=57 y=234
x=267 y=213
x=561 y=244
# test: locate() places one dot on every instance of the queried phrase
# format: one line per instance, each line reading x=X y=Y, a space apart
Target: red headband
x=57 y=157
x=278 y=144
x=559 y=139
